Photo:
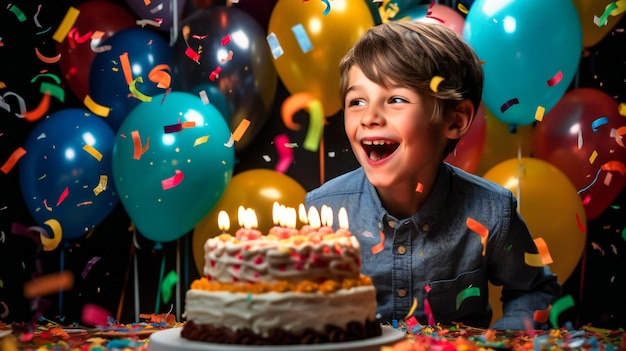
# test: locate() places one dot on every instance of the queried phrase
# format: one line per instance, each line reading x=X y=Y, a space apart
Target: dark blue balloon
x=66 y=173
x=146 y=50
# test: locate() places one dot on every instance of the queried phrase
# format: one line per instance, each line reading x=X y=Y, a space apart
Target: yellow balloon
x=313 y=36
x=587 y=11
x=502 y=144
x=552 y=209
x=257 y=189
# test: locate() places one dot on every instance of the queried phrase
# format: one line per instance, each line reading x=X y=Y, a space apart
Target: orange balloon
x=257 y=189
x=552 y=209
x=587 y=9
x=502 y=144
x=313 y=36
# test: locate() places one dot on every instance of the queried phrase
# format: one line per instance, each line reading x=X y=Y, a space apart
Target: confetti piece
x=411 y=310
x=622 y=109
x=93 y=152
x=315 y=131
x=598 y=122
x=381 y=245
x=620 y=135
x=539 y=113
x=215 y=74
x=285 y=154
x=169 y=282
x=192 y=55
x=434 y=83
x=240 y=130
x=429 y=313
x=53 y=90
x=63 y=196
x=272 y=41
x=200 y=140
x=593 y=156
x=542 y=316
x=66 y=24
x=173 y=128
x=204 y=97
x=173 y=180
x=126 y=69
x=462 y=8
x=558 y=307
x=47 y=59
x=40 y=110
x=136 y=93
x=12 y=160
x=90 y=264
x=603 y=19
x=302 y=38
x=137 y=149
x=607 y=179
x=96 y=108
x=17 y=12
x=533 y=260
x=94 y=315
x=419 y=188
x=102 y=184
x=94 y=45
x=327 y=9
x=544 y=253
x=479 y=229
x=144 y=22
x=505 y=106
x=49 y=284
x=465 y=293
x=159 y=76
x=226 y=40
x=555 y=80
x=614 y=166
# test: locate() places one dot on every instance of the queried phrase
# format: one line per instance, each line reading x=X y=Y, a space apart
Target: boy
x=431 y=235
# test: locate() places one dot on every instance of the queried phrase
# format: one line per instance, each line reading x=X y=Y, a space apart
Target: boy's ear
x=461 y=119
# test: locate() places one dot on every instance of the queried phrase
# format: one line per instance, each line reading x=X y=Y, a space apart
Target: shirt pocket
x=461 y=299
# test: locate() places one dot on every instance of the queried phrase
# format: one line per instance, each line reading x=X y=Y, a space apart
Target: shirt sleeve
x=526 y=288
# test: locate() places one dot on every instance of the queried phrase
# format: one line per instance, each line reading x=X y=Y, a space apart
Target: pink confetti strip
x=285 y=153
x=226 y=40
x=556 y=79
x=173 y=180
x=63 y=196
x=89 y=265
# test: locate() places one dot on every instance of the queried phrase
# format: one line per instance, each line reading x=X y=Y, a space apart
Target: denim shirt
x=438 y=258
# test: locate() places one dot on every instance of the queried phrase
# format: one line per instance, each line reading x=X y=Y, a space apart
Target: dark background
x=598 y=284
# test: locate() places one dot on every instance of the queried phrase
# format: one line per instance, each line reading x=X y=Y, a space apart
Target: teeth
x=376 y=142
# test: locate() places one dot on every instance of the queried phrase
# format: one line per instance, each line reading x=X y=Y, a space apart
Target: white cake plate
x=170 y=339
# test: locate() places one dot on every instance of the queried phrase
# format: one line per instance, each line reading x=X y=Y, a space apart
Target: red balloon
x=468 y=151
x=76 y=53
x=583 y=136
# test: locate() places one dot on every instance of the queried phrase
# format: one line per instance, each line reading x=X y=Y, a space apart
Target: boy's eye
x=356 y=102
x=397 y=99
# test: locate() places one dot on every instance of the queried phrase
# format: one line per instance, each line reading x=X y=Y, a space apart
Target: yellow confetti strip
x=57 y=231
x=434 y=83
x=136 y=93
x=201 y=140
x=593 y=156
x=539 y=113
x=102 y=185
x=622 y=109
x=96 y=108
x=412 y=309
x=66 y=24
x=533 y=260
x=93 y=152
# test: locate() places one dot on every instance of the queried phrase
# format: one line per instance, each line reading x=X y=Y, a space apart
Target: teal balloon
x=184 y=169
x=531 y=50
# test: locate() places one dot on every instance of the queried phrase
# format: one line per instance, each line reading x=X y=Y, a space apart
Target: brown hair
x=411 y=54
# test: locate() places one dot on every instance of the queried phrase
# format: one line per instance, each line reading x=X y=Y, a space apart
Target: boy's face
x=391 y=132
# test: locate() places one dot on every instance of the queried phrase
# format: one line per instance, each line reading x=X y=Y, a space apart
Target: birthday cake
x=291 y=286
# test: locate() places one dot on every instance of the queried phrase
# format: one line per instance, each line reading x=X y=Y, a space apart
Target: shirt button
x=401 y=292
x=401 y=250
x=426 y=227
x=392 y=224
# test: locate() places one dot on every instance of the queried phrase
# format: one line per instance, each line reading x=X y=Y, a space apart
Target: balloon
x=435 y=13
x=311 y=65
x=583 y=137
x=469 y=149
x=76 y=52
x=530 y=54
x=66 y=175
x=587 y=11
x=146 y=51
x=171 y=164
x=550 y=205
x=503 y=142
x=257 y=189
x=234 y=57
x=168 y=12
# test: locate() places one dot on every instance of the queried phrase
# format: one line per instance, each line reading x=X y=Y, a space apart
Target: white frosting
x=270 y=260
x=290 y=311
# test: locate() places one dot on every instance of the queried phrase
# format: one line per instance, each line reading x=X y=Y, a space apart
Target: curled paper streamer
x=465 y=293
x=167 y=287
x=40 y=110
x=102 y=185
x=479 y=229
x=47 y=59
x=57 y=234
x=285 y=153
x=380 y=246
x=136 y=93
x=173 y=180
x=558 y=307
x=49 y=284
x=159 y=76
x=12 y=160
x=300 y=101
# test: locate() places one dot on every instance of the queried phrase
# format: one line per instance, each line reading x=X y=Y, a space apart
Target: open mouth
x=379 y=149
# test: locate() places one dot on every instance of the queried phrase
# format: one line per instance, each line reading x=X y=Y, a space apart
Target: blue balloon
x=531 y=51
x=172 y=161
x=108 y=86
x=66 y=173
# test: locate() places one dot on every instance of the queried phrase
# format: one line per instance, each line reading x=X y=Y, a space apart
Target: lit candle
x=342 y=217
x=248 y=224
x=327 y=216
x=302 y=214
x=314 y=218
x=223 y=221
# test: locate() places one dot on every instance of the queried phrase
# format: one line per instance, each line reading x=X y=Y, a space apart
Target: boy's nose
x=372 y=117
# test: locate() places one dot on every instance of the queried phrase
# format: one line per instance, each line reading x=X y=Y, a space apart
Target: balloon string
x=61 y=268
x=136 y=281
x=161 y=274
x=120 y=305
x=178 y=280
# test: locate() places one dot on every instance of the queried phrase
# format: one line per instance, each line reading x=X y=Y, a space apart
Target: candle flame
x=314 y=218
x=251 y=219
x=291 y=217
x=241 y=215
x=342 y=216
x=223 y=221
x=327 y=216
x=302 y=214
x=276 y=213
